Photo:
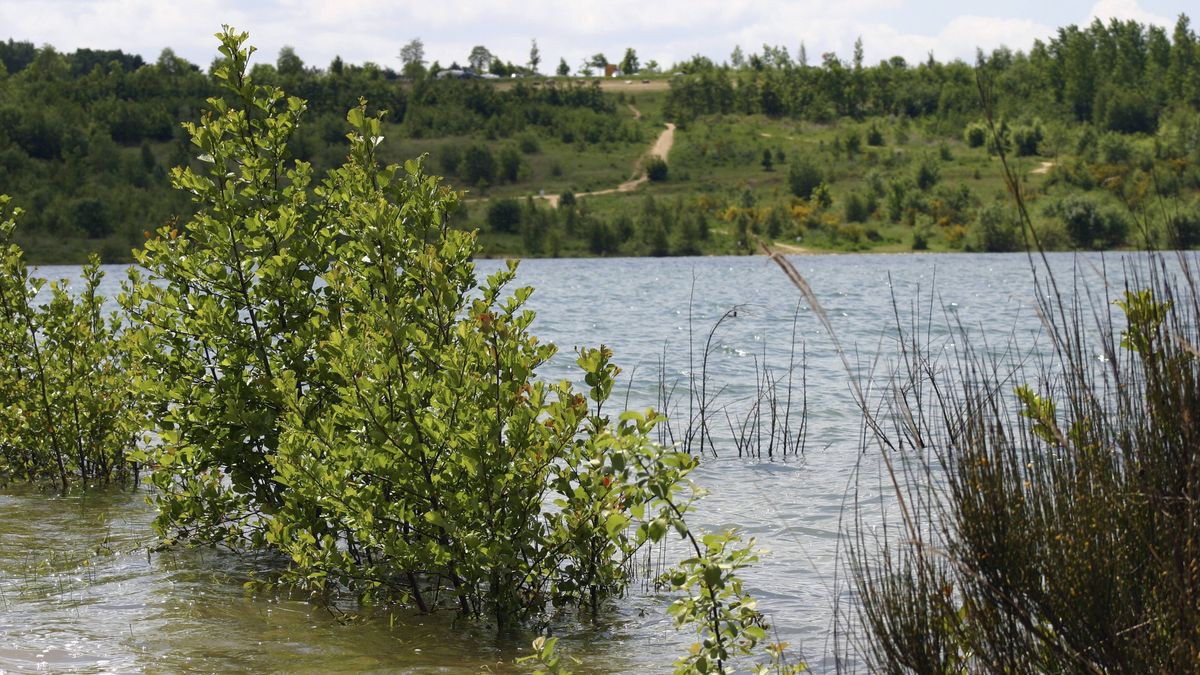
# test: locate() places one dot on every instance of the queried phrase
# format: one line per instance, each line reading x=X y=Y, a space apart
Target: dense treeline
x=1120 y=76
x=87 y=138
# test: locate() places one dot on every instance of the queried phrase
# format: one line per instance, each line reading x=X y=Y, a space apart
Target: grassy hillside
x=835 y=157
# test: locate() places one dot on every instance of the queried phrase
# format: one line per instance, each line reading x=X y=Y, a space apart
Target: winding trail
x=790 y=249
x=661 y=149
x=1044 y=167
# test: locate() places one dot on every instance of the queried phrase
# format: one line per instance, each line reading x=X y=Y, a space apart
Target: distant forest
x=87 y=138
x=1122 y=76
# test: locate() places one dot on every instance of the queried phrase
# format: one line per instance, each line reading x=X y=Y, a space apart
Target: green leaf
x=436 y=518
x=657 y=528
x=712 y=575
x=615 y=524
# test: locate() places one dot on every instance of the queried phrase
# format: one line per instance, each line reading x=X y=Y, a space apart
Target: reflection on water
x=79 y=591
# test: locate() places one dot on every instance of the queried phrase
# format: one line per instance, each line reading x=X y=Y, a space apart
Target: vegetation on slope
x=836 y=155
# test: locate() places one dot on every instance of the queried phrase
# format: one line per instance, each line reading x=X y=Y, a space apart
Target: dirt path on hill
x=1044 y=167
x=790 y=249
x=661 y=149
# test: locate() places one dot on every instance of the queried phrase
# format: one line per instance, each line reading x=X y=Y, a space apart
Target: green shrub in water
x=66 y=411
x=332 y=382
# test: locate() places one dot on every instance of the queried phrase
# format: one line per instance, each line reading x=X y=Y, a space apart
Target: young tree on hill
x=535 y=56
x=737 y=59
x=1182 y=60
x=803 y=178
x=776 y=56
x=629 y=64
x=288 y=62
x=480 y=58
x=412 y=55
x=563 y=69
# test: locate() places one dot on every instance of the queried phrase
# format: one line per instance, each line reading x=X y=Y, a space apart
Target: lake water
x=79 y=591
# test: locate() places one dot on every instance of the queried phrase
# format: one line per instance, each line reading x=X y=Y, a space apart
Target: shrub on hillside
x=1091 y=224
x=478 y=166
x=975 y=135
x=803 y=178
x=504 y=215
x=656 y=169
x=927 y=174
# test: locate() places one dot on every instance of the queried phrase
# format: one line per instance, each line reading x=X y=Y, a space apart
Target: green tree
x=563 y=69
x=776 y=223
x=479 y=58
x=927 y=174
x=1181 y=76
x=875 y=135
x=288 y=63
x=504 y=215
x=656 y=169
x=737 y=59
x=995 y=230
x=535 y=56
x=803 y=178
x=412 y=58
x=856 y=210
x=1091 y=225
x=478 y=165
x=1027 y=139
x=975 y=135
x=629 y=63
x=333 y=383
x=511 y=164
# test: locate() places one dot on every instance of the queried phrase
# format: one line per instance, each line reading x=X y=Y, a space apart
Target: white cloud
x=1126 y=10
x=964 y=34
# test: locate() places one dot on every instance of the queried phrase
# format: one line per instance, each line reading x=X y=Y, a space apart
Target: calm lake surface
x=79 y=591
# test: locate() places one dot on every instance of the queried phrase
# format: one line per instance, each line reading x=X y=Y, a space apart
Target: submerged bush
x=66 y=410
x=333 y=383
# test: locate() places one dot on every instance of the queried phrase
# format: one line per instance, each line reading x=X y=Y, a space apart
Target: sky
x=663 y=30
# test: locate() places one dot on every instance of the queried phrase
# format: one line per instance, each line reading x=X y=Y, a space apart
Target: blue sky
x=664 y=30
